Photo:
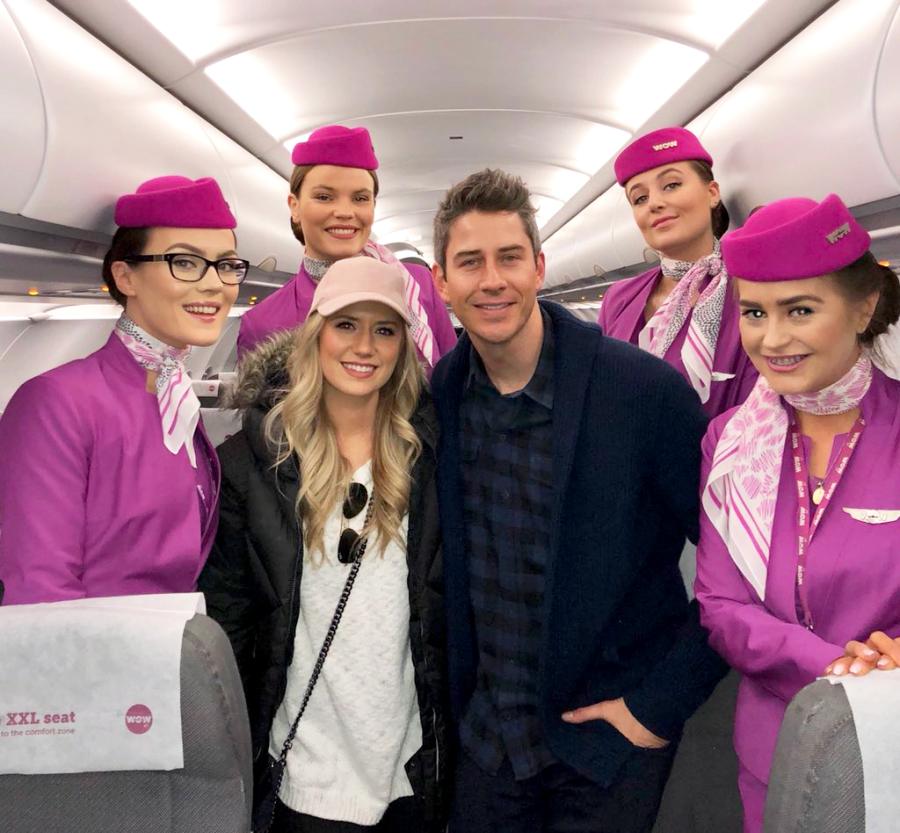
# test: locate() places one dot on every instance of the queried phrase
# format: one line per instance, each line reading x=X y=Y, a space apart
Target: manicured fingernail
x=568 y=715
x=838 y=671
x=856 y=667
x=868 y=652
x=883 y=662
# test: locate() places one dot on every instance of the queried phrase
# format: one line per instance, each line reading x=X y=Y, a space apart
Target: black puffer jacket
x=252 y=578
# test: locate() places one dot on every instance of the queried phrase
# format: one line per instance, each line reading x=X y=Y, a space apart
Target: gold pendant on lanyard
x=808 y=521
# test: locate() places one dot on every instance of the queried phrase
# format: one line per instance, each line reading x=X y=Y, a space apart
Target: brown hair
x=864 y=277
x=297 y=177
x=125 y=243
x=719 y=216
x=490 y=191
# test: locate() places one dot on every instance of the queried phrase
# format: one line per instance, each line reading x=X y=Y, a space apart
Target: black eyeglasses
x=351 y=546
x=192 y=268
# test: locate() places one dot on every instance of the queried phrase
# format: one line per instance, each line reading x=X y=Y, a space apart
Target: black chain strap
x=278 y=767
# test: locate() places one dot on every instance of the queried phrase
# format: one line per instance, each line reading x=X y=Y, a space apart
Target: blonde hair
x=298 y=424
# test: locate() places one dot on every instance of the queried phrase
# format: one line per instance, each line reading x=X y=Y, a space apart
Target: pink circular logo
x=138 y=719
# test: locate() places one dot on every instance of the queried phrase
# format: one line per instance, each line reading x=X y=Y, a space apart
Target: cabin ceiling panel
x=24 y=131
x=559 y=84
x=516 y=135
x=202 y=30
x=608 y=75
x=109 y=127
x=74 y=188
x=887 y=97
x=543 y=180
x=820 y=115
x=772 y=25
x=811 y=101
x=401 y=214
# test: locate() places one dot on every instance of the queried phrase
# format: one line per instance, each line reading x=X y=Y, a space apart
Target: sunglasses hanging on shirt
x=350 y=546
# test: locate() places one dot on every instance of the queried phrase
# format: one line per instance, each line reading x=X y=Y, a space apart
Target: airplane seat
x=816 y=785
x=212 y=792
x=701 y=795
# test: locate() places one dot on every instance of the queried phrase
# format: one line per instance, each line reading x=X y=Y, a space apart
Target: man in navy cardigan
x=568 y=476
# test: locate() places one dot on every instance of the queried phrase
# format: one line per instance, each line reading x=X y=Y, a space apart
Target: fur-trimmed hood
x=262 y=374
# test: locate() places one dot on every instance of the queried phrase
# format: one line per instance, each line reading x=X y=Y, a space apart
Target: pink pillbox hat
x=668 y=144
x=346 y=147
x=175 y=202
x=362 y=278
x=793 y=239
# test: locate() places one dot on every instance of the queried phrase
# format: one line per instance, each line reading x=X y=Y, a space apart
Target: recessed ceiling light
x=257 y=88
x=645 y=89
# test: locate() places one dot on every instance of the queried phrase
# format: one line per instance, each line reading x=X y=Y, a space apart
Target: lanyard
x=807 y=519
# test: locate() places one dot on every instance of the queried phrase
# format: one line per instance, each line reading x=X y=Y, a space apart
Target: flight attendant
x=799 y=547
x=682 y=310
x=332 y=203
x=109 y=483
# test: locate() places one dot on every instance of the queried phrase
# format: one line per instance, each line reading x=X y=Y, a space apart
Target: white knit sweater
x=362 y=723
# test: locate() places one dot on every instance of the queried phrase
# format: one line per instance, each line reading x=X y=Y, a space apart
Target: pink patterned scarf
x=179 y=407
x=742 y=488
x=703 y=308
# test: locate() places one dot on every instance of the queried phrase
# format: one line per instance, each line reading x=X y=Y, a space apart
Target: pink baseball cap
x=346 y=147
x=175 y=202
x=795 y=238
x=362 y=278
x=660 y=147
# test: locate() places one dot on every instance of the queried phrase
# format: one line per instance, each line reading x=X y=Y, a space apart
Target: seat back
x=816 y=784
x=701 y=795
x=212 y=792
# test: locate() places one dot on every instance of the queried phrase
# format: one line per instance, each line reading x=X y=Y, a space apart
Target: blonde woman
x=325 y=572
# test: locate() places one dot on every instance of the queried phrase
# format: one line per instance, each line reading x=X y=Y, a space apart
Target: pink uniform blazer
x=622 y=317
x=853 y=575
x=91 y=501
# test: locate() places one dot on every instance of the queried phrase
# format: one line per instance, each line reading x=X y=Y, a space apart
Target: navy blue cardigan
x=617 y=622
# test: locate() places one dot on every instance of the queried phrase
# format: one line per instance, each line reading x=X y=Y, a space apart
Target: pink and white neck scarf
x=742 y=488
x=420 y=327
x=701 y=307
x=179 y=407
